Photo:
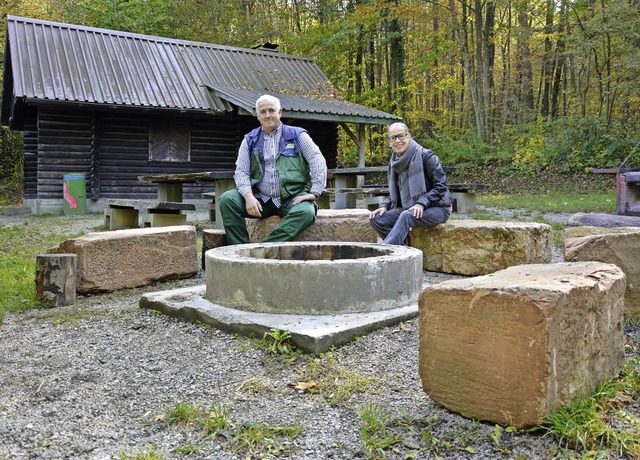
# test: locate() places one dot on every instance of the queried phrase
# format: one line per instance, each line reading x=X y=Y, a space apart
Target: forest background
x=534 y=90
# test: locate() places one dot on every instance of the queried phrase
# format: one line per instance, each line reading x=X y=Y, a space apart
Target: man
x=418 y=193
x=279 y=171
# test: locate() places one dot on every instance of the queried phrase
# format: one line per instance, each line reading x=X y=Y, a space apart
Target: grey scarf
x=412 y=159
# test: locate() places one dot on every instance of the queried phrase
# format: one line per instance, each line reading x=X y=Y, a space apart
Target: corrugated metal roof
x=52 y=61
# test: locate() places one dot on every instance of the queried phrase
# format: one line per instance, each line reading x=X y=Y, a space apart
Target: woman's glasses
x=398 y=137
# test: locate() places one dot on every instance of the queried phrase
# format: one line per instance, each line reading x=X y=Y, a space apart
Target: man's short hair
x=267 y=98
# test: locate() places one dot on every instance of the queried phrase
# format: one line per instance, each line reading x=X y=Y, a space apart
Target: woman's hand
x=377 y=212
x=417 y=210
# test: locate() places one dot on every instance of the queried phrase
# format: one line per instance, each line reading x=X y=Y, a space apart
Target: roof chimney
x=267 y=46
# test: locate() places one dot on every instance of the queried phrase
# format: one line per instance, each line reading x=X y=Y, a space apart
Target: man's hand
x=252 y=205
x=376 y=212
x=301 y=198
x=417 y=210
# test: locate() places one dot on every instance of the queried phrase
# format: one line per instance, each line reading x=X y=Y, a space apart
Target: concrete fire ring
x=313 y=278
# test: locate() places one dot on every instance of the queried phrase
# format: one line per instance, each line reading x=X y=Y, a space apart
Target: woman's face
x=398 y=139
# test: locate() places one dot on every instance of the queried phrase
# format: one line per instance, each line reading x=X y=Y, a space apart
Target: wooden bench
x=464 y=195
x=124 y=213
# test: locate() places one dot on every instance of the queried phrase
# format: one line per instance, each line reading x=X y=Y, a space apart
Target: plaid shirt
x=269 y=187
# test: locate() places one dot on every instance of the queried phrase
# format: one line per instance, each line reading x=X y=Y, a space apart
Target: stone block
x=479 y=247
x=595 y=219
x=121 y=259
x=121 y=218
x=157 y=219
x=345 y=225
x=512 y=346
x=616 y=245
x=212 y=238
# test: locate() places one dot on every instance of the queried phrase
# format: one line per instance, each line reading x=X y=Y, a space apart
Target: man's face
x=268 y=116
x=398 y=139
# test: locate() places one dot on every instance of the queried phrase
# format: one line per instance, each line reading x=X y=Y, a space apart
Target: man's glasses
x=398 y=137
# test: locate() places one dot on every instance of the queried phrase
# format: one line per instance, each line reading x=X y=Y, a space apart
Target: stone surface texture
x=512 y=346
x=619 y=246
x=479 y=247
x=121 y=259
x=348 y=225
x=313 y=278
x=56 y=279
x=594 y=219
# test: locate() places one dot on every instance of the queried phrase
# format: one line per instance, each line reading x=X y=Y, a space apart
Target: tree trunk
x=56 y=279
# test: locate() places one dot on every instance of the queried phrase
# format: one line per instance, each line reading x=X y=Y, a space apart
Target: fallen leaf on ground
x=304 y=386
x=406 y=328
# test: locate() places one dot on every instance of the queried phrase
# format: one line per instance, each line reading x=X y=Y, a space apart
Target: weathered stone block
x=512 y=346
x=345 y=225
x=595 y=219
x=479 y=247
x=212 y=238
x=619 y=246
x=120 y=259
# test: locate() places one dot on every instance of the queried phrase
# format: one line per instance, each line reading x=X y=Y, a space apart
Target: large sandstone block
x=619 y=246
x=479 y=247
x=595 y=219
x=512 y=346
x=345 y=225
x=135 y=257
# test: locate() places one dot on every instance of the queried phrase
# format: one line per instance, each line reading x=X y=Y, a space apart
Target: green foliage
x=19 y=245
x=151 y=17
x=585 y=424
x=182 y=414
x=150 y=453
x=468 y=149
x=259 y=439
x=334 y=382
x=11 y=158
x=374 y=430
x=278 y=342
x=264 y=440
x=573 y=145
x=217 y=418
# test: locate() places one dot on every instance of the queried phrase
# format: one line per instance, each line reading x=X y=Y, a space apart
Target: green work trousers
x=295 y=218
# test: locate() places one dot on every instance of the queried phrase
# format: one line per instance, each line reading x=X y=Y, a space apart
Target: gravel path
x=98 y=380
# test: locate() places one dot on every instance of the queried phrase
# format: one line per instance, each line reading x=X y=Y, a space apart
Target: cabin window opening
x=169 y=141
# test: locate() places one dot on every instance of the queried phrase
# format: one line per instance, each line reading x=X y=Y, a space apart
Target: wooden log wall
x=64 y=146
x=30 y=158
x=112 y=149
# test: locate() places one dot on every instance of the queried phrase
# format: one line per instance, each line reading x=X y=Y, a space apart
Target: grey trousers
x=395 y=224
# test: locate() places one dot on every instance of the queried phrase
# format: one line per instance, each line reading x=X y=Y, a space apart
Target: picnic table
x=346 y=188
x=170 y=186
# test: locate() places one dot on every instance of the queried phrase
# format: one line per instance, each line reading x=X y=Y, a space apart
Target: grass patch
x=249 y=440
x=374 y=433
x=553 y=202
x=19 y=245
x=333 y=382
x=150 y=453
x=599 y=422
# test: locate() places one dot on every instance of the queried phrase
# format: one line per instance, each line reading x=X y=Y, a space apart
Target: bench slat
x=381 y=190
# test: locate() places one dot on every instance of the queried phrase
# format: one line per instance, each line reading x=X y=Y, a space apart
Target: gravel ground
x=96 y=380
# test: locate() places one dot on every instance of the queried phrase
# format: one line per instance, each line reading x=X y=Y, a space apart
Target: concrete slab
x=310 y=333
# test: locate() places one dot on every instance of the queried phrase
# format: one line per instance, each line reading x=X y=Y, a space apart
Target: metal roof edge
x=152 y=38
